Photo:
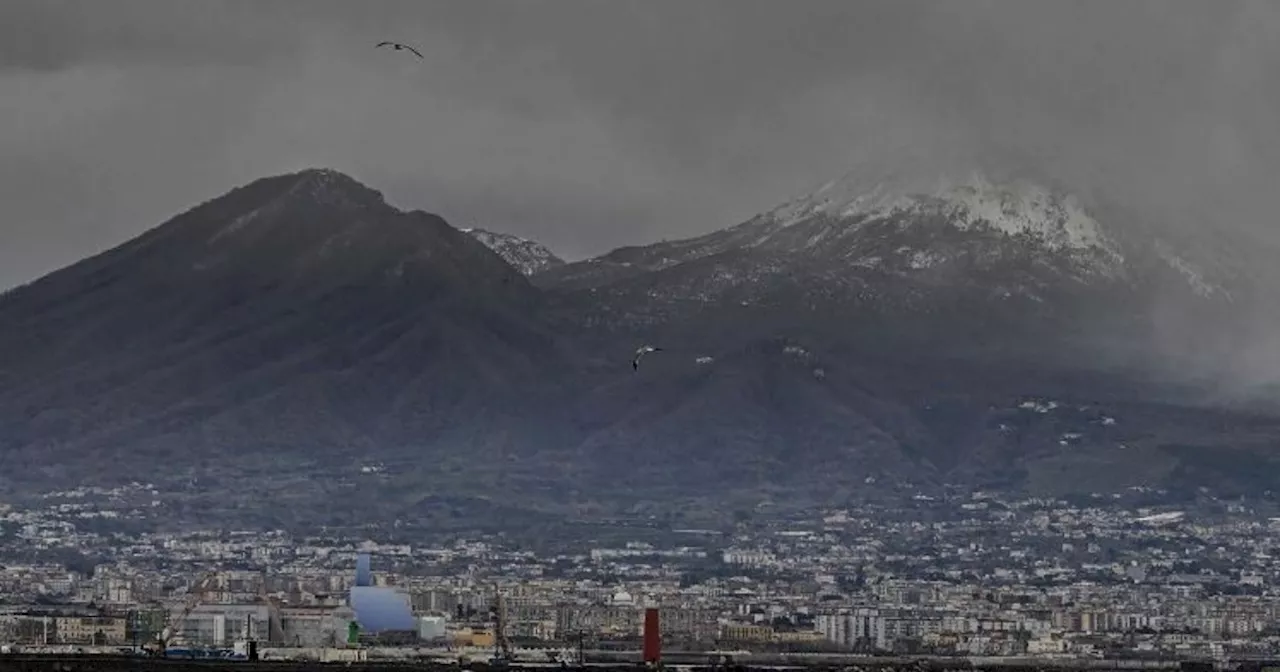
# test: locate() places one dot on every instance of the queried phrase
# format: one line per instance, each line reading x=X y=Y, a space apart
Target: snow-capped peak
x=1060 y=221
x=1006 y=237
x=527 y=256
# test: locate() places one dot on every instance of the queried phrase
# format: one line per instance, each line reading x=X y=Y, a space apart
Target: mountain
x=1000 y=334
x=297 y=350
x=298 y=320
x=1023 y=237
x=527 y=256
x=1001 y=263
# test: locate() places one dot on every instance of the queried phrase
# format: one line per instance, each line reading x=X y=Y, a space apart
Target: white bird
x=635 y=363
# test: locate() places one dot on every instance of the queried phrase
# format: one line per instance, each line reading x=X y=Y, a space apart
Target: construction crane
x=194 y=597
x=145 y=632
x=273 y=605
x=502 y=654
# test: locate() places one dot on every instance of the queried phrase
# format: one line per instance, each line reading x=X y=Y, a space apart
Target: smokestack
x=652 y=637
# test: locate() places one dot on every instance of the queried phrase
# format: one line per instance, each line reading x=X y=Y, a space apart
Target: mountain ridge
x=528 y=256
x=1019 y=250
x=292 y=288
x=1053 y=220
x=298 y=322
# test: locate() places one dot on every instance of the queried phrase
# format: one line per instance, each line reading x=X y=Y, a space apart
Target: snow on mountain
x=1015 y=208
x=1009 y=231
x=527 y=256
x=300 y=322
x=1049 y=220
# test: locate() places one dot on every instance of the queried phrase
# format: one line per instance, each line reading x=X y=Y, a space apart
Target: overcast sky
x=589 y=124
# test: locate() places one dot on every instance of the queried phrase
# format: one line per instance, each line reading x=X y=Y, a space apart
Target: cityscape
x=975 y=574
x=715 y=336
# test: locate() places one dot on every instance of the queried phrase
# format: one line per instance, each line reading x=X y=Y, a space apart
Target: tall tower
x=652 y=637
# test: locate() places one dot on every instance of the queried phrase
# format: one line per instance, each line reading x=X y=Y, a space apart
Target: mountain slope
x=973 y=226
x=281 y=337
x=1009 y=262
x=299 y=315
x=527 y=256
x=938 y=314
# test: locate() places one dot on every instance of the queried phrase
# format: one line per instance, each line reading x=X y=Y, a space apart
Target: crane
x=194 y=596
x=502 y=654
x=272 y=602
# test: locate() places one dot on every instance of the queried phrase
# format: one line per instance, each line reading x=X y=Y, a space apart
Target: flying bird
x=397 y=46
x=635 y=363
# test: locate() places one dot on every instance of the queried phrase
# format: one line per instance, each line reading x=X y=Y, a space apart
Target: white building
x=854 y=627
x=225 y=624
x=315 y=626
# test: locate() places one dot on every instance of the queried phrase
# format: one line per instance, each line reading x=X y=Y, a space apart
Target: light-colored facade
x=225 y=624
x=314 y=626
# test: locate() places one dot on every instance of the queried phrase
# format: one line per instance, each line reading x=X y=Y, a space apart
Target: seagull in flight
x=635 y=363
x=398 y=46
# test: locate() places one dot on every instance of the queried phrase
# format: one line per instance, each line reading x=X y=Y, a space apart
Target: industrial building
x=222 y=625
x=381 y=612
x=314 y=626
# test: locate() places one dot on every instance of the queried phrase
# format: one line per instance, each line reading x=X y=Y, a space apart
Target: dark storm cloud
x=50 y=35
x=591 y=124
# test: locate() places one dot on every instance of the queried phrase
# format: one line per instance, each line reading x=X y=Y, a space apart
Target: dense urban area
x=972 y=574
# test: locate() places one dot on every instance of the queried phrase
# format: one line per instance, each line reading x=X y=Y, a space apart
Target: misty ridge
x=1234 y=356
x=867 y=235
